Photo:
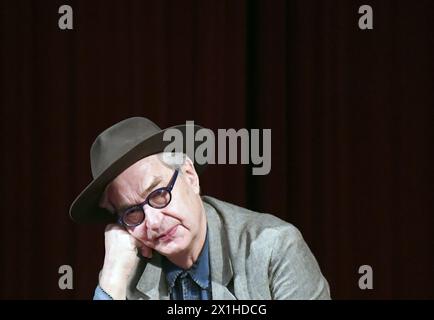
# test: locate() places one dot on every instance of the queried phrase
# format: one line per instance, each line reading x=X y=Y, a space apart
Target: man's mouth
x=168 y=235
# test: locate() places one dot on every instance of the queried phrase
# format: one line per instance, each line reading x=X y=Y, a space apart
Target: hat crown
x=117 y=140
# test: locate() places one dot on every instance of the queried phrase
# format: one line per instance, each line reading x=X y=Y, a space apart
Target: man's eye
x=133 y=216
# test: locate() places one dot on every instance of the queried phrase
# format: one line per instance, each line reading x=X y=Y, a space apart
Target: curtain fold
x=351 y=114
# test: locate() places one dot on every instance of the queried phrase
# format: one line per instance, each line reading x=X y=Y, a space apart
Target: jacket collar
x=153 y=284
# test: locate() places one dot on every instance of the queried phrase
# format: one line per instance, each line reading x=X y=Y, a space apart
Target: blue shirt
x=191 y=284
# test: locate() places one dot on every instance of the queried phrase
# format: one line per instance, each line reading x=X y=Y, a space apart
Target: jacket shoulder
x=238 y=219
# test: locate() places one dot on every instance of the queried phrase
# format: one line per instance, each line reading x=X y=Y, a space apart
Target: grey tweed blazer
x=253 y=256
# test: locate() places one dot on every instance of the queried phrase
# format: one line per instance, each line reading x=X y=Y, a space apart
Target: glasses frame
x=141 y=206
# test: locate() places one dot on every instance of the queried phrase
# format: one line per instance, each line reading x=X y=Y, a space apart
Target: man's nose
x=153 y=218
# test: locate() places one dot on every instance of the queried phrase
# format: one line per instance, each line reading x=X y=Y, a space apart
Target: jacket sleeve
x=293 y=271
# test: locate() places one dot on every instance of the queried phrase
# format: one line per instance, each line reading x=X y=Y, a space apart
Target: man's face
x=172 y=230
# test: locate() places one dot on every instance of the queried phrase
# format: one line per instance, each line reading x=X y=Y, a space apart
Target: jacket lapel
x=221 y=266
x=152 y=282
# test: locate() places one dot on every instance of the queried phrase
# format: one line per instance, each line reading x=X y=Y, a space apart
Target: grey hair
x=173 y=160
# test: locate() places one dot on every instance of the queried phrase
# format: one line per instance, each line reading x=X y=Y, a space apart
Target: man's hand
x=120 y=260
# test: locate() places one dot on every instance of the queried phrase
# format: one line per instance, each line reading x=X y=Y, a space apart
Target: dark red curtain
x=351 y=113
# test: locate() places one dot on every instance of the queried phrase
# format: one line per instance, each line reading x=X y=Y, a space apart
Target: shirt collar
x=199 y=271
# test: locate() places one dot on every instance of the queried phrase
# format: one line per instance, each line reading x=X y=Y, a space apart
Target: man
x=166 y=241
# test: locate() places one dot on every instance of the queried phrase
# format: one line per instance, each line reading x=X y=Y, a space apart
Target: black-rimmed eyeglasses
x=158 y=199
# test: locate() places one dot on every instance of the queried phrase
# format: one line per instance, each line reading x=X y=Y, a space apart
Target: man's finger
x=146 y=251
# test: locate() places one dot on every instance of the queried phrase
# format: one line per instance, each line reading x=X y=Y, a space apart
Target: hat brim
x=85 y=208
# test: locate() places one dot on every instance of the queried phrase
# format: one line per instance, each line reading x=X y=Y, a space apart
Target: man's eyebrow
x=143 y=194
x=154 y=183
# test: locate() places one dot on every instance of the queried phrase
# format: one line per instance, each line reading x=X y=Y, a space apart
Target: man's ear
x=190 y=175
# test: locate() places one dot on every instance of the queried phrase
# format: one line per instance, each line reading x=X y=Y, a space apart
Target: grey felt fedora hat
x=113 y=151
